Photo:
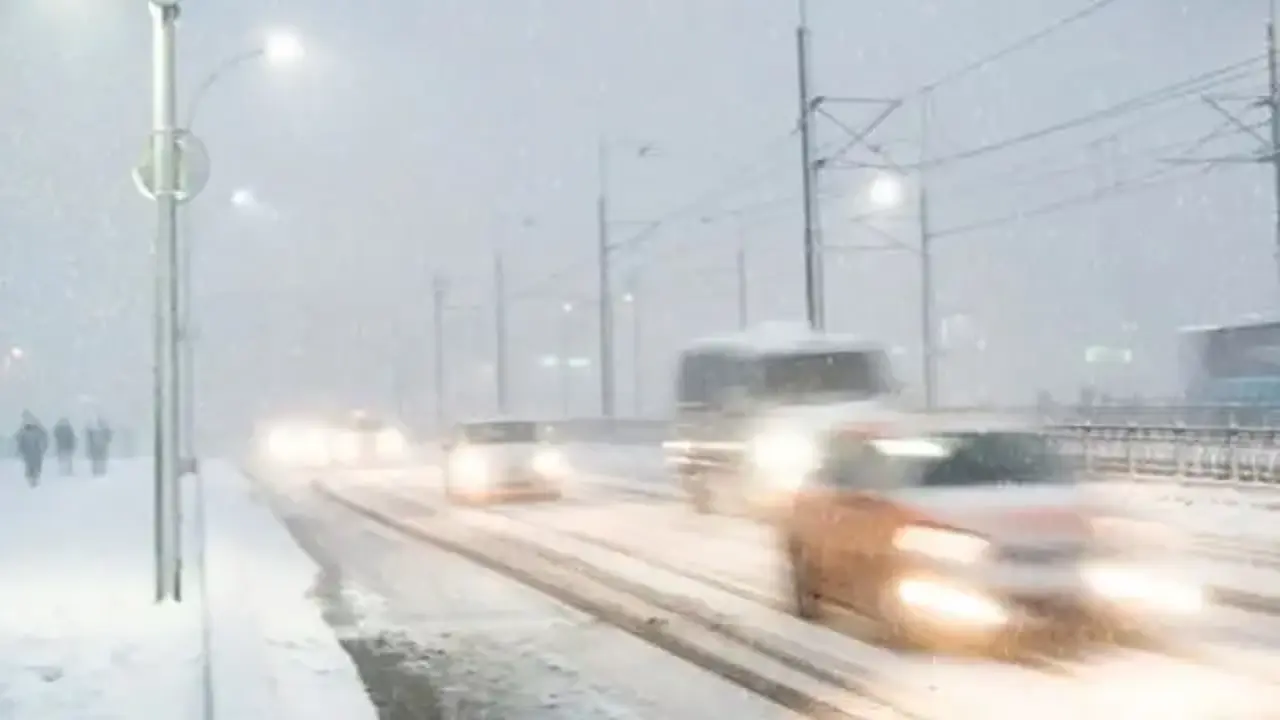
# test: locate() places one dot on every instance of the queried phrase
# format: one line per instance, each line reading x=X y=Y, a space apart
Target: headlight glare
x=391 y=443
x=941 y=543
x=346 y=447
x=468 y=468
x=549 y=462
x=1131 y=585
x=786 y=454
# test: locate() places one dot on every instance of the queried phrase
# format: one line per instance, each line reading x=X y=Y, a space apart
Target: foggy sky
x=417 y=138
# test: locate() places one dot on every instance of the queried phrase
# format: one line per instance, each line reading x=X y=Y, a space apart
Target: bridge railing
x=1115 y=441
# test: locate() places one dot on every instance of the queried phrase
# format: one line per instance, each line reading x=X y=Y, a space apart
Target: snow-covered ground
x=494 y=648
x=80 y=635
x=730 y=566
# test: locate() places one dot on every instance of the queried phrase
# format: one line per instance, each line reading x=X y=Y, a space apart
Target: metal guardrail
x=1241 y=455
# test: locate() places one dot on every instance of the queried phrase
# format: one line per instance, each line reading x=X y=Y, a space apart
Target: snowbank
x=81 y=638
x=273 y=656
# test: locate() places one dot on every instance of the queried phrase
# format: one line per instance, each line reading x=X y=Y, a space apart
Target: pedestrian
x=33 y=442
x=98 y=440
x=64 y=443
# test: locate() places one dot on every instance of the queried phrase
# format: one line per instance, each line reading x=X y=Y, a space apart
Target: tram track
x=699 y=635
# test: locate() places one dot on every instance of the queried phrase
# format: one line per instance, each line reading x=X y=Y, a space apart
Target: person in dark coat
x=98 y=440
x=33 y=442
x=64 y=444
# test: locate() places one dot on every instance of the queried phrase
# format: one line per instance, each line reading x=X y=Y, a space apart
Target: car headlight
x=549 y=463
x=940 y=543
x=468 y=468
x=346 y=448
x=293 y=446
x=785 y=456
x=952 y=603
x=1134 y=586
x=391 y=443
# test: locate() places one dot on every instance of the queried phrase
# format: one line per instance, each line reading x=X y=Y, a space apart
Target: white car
x=503 y=460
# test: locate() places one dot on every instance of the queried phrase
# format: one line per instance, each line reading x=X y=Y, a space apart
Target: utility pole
x=606 y=285
x=563 y=364
x=500 y=327
x=439 y=296
x=814 y=311
x=164 y=109
x=637 y=350
x=928 y=331
x=743 y=317
x=1273 y=104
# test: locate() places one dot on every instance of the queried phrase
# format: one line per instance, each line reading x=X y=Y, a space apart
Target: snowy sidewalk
x=81 y=638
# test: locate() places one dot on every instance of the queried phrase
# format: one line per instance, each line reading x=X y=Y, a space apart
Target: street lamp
x=280 y=48
x=886 y=192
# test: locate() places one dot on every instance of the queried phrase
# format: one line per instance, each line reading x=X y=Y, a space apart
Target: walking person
x=98 y=441
x=64 y=443
x=33 y=442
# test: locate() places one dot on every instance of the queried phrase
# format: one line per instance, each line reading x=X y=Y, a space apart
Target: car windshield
x=953 y=460
x=501 y=432
x=809 y=376
x=977 y=458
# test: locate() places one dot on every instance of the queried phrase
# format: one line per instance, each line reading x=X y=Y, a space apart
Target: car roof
x=782 y=338
x=504 y=420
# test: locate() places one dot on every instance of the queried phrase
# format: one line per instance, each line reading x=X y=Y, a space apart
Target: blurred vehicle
x=361 y=441
x=971 y=533
x=750 y=406
x=503 y=460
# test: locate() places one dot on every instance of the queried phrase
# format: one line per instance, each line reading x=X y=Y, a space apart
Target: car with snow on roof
x=750 y=405
x=973 y=532
x=503 y=460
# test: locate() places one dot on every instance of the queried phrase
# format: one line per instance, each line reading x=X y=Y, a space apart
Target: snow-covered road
x=495 y=648
x=729 y=571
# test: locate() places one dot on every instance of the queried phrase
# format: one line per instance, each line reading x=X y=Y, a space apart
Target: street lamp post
x=280 y=48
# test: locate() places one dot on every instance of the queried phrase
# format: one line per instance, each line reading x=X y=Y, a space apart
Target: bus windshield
x=859 y=374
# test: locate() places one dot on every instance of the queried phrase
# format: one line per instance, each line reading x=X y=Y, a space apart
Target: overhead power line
x=1017 y=46
x=1194 y=85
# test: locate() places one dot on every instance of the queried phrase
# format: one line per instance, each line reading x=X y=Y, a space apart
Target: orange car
x=967 y=532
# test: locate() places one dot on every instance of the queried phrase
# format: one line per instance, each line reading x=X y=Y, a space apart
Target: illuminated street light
x=568 y=307
x=17 y=353
x=243 y=198
x=283 y=48
x=886 y=192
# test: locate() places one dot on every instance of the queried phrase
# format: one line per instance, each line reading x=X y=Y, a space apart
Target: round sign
x=192 y=158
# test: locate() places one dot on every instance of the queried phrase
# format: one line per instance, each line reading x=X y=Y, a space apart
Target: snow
x=781 y=337
x=493 y=647
x=82 y=638
x=729 y=569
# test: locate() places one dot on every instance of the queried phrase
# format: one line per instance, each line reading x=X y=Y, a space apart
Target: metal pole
x=606 y=287
x=187 y=340
x=500 y=327
x=928 y=333
x=564 y=365
x=637 y=354
x=167 y=400
x=438 y=299
x=1273 y=97
x=743 y=317
x=812 y=253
